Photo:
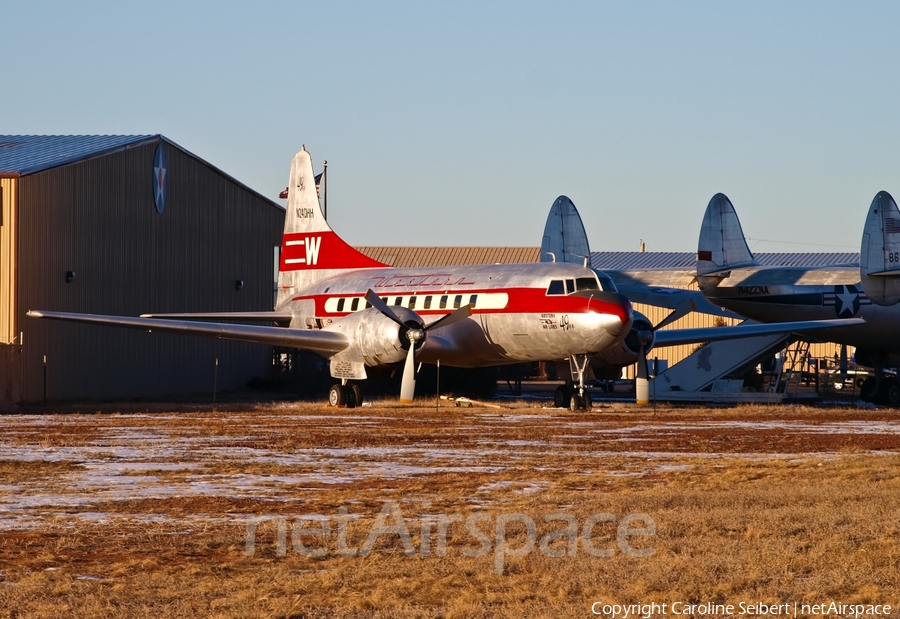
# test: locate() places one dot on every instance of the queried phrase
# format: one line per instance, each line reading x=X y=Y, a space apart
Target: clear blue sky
x=459 y=123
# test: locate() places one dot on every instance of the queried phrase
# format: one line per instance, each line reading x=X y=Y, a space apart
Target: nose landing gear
x=573 y=395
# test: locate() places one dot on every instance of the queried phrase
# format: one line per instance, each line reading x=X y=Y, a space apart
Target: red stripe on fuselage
x=521 y=301
x=302 y=251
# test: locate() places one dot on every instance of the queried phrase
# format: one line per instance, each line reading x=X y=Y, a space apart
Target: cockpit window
x=556 y=287
x=586 y=283
x=570 y=286
x=606 y=283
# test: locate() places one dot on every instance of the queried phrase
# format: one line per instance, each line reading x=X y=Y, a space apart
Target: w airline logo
x=321 y=250
x=312 y=245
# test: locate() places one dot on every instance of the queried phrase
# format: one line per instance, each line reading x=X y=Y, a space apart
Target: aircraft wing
x=674 y=337
x=282 y=318
x=325 y=342
x=673 y=298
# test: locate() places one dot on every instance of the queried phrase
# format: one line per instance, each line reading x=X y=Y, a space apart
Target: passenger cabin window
x=472 y=300
x=586 y=283
x=556 y=287
x=457 y=301
x=398 y=301
x=354 y=304
x=412 y=302
x=340 y=305
x=443 y=302
x=427 y=304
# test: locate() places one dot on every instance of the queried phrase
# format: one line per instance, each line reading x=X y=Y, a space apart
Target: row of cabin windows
x=568 y=286
x=398 y=302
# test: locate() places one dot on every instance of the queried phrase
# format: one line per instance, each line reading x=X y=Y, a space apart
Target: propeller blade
x=844 y=361
x=376 y=302
x=408 y=382
x=455 y=316
x=641 y=381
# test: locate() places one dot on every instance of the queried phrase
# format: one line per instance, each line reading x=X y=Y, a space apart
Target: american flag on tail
x=283 y=195
x=891 y=225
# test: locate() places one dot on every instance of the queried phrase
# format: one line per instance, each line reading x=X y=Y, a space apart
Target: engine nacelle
x=374 y=338
x=628 y=350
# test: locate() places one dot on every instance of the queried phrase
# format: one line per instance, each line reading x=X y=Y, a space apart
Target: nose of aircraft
x=613 y=310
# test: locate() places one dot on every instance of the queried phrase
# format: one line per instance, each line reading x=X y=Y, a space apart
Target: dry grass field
x=141 y=511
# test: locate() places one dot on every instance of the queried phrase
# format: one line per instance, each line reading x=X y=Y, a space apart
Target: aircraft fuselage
x=520 y=312
x=779 y=294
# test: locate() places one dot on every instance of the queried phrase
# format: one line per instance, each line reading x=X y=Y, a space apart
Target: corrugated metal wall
x=97 y=218
x=8 y=327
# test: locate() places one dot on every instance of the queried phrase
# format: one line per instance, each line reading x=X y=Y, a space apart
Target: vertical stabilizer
x=879 y=253
x=310 y=250
x=564 y=237
x=722 y=245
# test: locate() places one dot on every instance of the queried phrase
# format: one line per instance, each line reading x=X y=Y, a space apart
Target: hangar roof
x=629 y=260
x=441 y=256
x=604 y=260
x=27 y=154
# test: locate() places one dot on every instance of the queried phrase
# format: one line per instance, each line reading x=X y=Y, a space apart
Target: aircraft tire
x=561 y=397
x=576 y=402
x=868 y=392
x=892 y=393
x=337 y=396
x=357 y=392
x=588 y=403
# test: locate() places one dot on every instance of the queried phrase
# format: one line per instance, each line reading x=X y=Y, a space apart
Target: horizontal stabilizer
x=722 y=245
x=317 y=340
x=879 y=253
x=676 y=337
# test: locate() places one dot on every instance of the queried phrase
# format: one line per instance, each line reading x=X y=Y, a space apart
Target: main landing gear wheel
x=891 y=390
x=357 y=394
x=345 y=395
x=868 y=392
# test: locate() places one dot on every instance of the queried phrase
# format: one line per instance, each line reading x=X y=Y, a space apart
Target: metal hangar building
x=124 y=225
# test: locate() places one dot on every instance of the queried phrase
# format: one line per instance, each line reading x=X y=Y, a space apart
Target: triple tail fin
x=310 y=249
x=564 y=237
x=879 y=253
x=722 y=245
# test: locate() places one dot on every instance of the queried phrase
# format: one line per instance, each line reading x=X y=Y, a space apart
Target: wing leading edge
x=326 y=342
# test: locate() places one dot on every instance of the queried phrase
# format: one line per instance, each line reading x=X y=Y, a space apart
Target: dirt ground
x=298 y=510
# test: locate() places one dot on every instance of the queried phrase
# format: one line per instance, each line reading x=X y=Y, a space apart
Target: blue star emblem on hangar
x=160 y=171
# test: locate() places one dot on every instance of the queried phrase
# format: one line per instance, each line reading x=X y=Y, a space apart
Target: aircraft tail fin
x=564 y=237
x=310 y=249
x=879 y=253
x=722 y=245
